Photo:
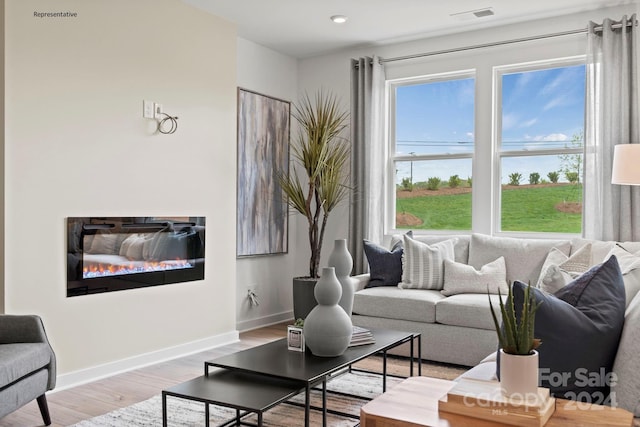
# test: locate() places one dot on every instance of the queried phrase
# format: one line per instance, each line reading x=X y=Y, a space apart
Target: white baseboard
x=83 y=376
x=247 y=325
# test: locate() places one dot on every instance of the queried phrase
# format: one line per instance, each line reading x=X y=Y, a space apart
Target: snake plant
x=516 y=336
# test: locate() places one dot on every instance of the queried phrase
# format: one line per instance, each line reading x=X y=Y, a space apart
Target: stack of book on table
x=485 y=400
x=361 y=336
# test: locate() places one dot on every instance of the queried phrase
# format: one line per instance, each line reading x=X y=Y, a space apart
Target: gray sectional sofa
x=458 y=329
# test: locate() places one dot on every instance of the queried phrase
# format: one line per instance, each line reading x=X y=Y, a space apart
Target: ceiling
x=302 y=28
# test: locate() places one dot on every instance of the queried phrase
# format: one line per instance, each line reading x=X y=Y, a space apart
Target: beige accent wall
x=76 y=145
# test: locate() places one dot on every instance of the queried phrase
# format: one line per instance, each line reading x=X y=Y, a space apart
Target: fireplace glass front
x=107 y=254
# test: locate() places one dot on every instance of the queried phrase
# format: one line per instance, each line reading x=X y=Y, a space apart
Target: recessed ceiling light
x=339 y=19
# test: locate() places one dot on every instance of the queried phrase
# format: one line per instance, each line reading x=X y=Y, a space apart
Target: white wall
x=76 y=145
x=270 y=73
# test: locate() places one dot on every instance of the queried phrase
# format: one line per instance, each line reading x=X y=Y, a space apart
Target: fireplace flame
x=106 y=270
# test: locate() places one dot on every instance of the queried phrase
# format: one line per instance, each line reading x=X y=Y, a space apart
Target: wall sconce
x=626 y=164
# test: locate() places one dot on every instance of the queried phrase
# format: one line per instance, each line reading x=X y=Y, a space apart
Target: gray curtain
x=366 y=215
x=611 y=212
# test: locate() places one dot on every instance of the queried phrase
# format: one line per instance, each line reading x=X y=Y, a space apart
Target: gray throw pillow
x=580 y=328
x=385 y=266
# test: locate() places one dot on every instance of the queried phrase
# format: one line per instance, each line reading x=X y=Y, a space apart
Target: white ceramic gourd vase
x=327 y=328
x=341 y=260
x=519 y=375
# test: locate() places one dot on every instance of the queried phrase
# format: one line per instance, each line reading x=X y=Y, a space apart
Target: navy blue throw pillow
x=580 y=327
x=385 y=267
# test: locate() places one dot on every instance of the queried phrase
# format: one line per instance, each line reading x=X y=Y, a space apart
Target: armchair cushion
x=16 y=329
x=22 y=359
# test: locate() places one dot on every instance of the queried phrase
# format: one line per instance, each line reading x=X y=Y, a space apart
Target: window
x=540 y=147
x=432 y=146
x=518 y=128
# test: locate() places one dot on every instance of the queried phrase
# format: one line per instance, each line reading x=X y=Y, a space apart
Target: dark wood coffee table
x=292 y=371
x=235 y=390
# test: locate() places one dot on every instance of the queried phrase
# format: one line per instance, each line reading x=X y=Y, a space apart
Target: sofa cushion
x=599 y=248
x=395 y=303
x=559 y=269
x=467 y=310
x=423 y=264
x=460 y=246
x=626 y=389
x=385 y=267
x=19 y=360
x=523 y=257
x=462 y=278
x=580 y=328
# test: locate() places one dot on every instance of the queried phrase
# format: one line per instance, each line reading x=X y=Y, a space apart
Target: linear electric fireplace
x=106 y=254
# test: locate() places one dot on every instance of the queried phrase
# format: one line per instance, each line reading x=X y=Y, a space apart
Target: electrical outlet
x=252 y=296
x=148 y=109
x=157 y=110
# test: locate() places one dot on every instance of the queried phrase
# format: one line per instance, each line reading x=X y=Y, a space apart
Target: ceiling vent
x=473 y=14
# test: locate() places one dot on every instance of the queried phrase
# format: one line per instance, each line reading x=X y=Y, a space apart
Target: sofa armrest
x=361 y=281
x=27 y=329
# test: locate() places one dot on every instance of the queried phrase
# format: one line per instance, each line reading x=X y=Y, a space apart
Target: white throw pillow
x=558 y=269
x=423 y=265
x=464 y=279
x=630 y=268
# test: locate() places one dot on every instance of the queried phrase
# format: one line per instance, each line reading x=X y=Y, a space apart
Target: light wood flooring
x=73 y=405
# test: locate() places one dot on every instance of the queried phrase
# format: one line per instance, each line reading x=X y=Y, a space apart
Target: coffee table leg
x=411 y=357
x=206 y=415
x=419 y=355
x=324 y=402
x=384 y=371
x=259 y=419
x=307 y=405
x=164 y=409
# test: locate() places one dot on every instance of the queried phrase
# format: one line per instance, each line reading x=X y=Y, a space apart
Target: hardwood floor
x=73 y=405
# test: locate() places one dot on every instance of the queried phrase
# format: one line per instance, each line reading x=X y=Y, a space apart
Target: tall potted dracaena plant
x=518 y=355
x=319 y=180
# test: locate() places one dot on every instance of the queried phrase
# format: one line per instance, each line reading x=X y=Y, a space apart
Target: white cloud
x=470 y=134
x=555 y=102
x=509 y=120
x=552 y=137
x=529 y=123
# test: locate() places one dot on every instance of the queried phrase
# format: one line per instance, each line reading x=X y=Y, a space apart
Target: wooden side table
x=414 y=403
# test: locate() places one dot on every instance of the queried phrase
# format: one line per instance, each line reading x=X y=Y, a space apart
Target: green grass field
x=523 y=209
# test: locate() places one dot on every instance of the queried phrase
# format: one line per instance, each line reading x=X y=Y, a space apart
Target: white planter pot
x=519 y=375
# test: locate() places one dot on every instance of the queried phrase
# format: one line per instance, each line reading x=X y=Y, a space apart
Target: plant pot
x=519 y=375
x=303 y=297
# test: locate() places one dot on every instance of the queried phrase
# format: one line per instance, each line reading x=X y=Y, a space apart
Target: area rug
x=183 y=413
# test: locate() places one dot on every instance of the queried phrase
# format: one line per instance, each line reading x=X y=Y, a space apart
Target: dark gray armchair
x=27 y=364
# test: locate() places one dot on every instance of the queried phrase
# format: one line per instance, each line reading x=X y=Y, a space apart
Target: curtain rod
x=499 y=43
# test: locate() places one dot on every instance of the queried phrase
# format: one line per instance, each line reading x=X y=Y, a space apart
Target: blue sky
x=540 y=109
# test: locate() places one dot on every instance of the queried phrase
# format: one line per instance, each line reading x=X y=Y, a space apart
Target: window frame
x=498 y=154
x=392 y=158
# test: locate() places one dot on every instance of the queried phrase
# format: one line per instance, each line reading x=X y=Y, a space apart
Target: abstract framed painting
x=263 y=151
